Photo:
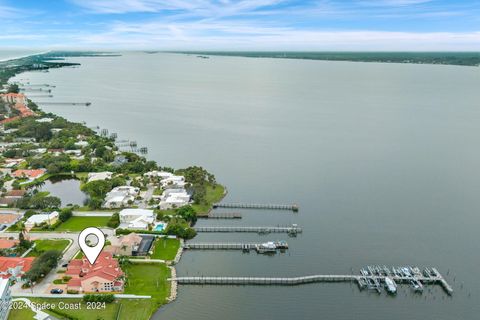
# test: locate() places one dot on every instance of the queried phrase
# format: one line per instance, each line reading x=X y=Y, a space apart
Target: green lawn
x=213 y=195
x=165 y=249
x=148 y=279
x=45 y=245
x=23 y=313
x=80 y=223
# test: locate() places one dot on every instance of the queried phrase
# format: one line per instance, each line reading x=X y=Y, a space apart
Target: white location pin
x=91 y=252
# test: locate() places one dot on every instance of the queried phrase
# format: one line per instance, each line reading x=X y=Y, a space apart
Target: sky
x=288 y=25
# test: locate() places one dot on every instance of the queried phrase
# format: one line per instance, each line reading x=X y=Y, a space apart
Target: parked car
x=2 y=227
x=56 y=291
x=64 y=265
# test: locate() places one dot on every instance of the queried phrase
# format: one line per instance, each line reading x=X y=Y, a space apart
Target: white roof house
x=138 y=219
x=173 y=182
x=120 y=196
x=37 y=219
x=174 y=198
x=93 y=176
x=81 y=143
x=161 y=174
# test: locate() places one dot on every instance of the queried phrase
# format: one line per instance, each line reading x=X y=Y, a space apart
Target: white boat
x=390 y=285
x=267 y=247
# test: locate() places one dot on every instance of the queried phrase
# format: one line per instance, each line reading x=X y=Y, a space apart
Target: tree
x=42 y=265
x=65 y=214
x=187 y=213
x=114 y=221
x=13 y=88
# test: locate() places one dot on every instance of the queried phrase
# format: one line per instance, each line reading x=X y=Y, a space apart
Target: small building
x=5 y=299
x=14 y=268
x=94 y=176
x=38 y=219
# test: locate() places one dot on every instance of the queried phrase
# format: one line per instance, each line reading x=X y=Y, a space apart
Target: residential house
x=104 y=275
x=15 y=194
x=94 y=176
x=119 y=160
x=120 y=197
x=174 y=198
x=124 y=245
x=38 y=219
x=9 y=218
x=6 y=243
x=173 y=182
x=136 y=219
x=14 y=268
x=30 y=174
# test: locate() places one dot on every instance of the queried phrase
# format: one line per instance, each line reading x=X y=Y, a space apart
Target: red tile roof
x=105 y=267
x=7 y=244
x=12 y=262
x=29 y=173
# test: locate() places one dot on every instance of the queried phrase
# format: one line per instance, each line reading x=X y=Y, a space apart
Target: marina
x=371 y=281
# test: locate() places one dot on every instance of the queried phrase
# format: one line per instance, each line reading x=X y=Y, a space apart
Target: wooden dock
x=229 y=246
x=261 y=230
x=438 y=280
x=293 y=207
x=226 y=215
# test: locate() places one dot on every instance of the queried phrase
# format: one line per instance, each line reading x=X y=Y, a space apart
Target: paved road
x=148 y=195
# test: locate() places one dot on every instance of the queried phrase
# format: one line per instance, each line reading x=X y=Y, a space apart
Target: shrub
x=107 y=298
x=70 y=291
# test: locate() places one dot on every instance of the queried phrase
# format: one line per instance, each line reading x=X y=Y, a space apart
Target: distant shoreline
x=467 y=59
x=23 y=56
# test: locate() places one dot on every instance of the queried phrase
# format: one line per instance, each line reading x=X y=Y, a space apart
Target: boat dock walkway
x=293 y=207
x=231 y=246
x=225 y=215
x=262 y=230
x=359 y=279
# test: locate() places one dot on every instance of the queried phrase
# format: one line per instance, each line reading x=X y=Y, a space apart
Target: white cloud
x=217 y=35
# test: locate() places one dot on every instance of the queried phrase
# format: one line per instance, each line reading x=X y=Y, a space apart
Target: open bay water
x=381 y=158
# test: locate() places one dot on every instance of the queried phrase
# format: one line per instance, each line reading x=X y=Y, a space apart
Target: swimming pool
x=160 y=227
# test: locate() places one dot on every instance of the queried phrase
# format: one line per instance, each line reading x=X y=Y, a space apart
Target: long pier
x=233 y=215
x=290 y=230
x=309 y=279
x=292 y=207
x=66 y=103
x=230 y=246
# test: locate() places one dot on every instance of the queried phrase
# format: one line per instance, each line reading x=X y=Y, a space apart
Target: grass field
x=80 y=223
x=45 y=245
x=213 y=195
x=165 y=249
x=148 y=279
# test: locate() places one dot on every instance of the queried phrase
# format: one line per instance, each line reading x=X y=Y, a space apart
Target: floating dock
x=292 y=207
x=261 y=230
x=371 y=281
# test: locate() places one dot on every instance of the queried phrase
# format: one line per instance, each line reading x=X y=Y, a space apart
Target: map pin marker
x=91 y=252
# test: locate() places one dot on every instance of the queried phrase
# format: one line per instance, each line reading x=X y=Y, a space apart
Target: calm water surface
x=381 y=158
x=68 y=190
